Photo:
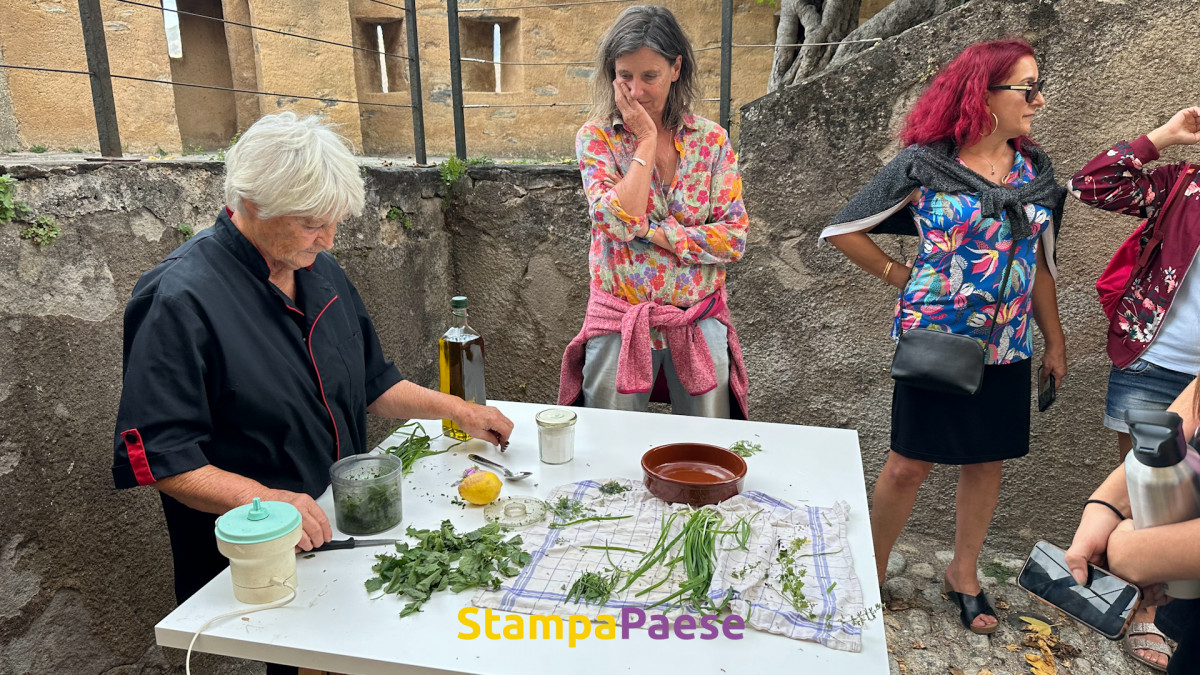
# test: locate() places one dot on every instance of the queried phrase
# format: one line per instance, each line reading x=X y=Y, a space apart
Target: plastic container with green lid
x=259 y=539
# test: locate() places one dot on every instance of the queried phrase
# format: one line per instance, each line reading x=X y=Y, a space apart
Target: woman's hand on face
x=1182 y=129
x=637 y=120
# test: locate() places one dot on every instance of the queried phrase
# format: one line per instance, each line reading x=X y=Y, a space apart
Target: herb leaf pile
x=445 y=559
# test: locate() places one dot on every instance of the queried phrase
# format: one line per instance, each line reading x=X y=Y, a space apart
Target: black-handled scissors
x=352 y=543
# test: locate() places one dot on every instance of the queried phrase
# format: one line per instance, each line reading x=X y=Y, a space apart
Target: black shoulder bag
x=942 y=361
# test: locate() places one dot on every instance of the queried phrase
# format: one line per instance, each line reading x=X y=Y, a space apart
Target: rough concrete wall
x=85 y=570
x=520 y=247
x=817 y=327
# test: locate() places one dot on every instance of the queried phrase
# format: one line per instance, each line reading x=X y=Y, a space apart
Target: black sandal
x=971 y=607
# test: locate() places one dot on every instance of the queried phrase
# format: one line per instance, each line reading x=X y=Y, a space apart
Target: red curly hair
x=954 y=107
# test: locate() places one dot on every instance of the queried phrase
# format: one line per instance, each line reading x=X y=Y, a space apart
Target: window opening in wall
x=496 y=54
x=383 y=66
x=379 y=65
x=486 y=46
x=171 y=26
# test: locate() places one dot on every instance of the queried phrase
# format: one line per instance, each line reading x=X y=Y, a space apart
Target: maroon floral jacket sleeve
x=1116 y=181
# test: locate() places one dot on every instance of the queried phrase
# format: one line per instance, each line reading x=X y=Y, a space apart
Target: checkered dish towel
x=831 y=589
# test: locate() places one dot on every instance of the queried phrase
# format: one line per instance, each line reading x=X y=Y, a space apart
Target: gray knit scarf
x=935 y=167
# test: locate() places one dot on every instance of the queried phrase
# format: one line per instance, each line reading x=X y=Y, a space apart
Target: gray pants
x=600 y=376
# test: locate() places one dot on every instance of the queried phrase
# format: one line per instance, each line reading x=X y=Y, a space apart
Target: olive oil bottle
x=460 y=362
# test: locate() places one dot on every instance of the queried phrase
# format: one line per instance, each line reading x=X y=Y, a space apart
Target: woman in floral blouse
x=978 y=191
x=665 y=204
x=1153 y=334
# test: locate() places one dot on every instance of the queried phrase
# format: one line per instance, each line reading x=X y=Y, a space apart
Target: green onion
x=587 y=520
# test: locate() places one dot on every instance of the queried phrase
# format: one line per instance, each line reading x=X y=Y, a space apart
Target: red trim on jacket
x=336 y=439
x=137 y=456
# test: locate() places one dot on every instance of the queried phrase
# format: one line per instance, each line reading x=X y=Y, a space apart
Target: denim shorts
x=1141 y=386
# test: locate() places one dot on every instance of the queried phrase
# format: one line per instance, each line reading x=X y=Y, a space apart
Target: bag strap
x=1012 y=251
x=1157 y=235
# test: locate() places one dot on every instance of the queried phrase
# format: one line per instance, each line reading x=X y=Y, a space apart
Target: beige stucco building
x=55 y=110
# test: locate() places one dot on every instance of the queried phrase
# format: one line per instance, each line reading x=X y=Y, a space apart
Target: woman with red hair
x=982 y=197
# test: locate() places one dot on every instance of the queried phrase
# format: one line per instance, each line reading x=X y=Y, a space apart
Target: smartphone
x=1106 y=604
x=1046 y=391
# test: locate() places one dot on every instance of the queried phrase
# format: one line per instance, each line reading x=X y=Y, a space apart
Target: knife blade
x=338 y=544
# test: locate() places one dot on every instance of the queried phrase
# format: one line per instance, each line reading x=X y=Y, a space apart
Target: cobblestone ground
x=925 y=637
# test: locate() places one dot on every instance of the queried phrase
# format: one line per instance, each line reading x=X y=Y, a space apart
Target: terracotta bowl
x=693 y=473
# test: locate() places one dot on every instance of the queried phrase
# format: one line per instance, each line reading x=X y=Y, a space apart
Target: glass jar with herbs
x=366 y=493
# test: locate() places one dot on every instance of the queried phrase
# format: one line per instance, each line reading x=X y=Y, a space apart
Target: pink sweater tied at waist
x=607 y=314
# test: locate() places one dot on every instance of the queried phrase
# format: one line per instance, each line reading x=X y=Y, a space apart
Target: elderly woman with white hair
x=250 y=362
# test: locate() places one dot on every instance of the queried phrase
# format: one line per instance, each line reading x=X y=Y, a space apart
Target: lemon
x=479 y=487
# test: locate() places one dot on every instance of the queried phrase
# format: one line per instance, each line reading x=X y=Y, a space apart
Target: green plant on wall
x=220 y=156
x=185 y=229
x=43 y=231
x=452 y=169
x=38 y=149
x=10 y=208
x=397 y=215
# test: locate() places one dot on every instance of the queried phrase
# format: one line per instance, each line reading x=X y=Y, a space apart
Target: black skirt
x=942 y=428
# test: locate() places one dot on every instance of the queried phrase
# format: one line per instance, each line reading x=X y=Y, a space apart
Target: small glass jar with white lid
x=556 y=435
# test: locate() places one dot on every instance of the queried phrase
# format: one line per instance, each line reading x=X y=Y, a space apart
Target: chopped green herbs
x=593 y=588
x=745 y=448
x=791 y=579
x=370 y=510
x=564 y=508
x=414 y=447
x=612 y=487
x=445 y=559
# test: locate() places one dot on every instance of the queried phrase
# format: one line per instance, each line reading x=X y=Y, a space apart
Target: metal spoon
x=507 y=474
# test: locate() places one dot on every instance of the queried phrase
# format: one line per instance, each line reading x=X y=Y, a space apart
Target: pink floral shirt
x=701 y=215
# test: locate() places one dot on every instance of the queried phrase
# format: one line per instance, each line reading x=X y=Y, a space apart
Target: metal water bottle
x=1163 y=476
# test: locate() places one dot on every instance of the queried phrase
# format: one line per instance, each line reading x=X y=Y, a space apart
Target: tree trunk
x=809 y=22
x=897 y=17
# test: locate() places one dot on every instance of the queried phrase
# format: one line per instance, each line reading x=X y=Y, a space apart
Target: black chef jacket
x=222 y=368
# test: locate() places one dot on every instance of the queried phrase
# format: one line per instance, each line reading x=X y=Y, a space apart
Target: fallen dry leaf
x=1037 y=625
x=919 y=645
x=1012 y=648
x=1000 y=604
x=956 y=671
x=1039 y=666
x=984 y=671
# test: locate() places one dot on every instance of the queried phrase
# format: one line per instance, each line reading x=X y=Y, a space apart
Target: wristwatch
x=649 y=233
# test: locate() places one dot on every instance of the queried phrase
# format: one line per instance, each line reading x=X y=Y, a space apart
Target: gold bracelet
x=888 y=268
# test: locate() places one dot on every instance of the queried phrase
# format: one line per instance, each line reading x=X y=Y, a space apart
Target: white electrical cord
x=276 y=581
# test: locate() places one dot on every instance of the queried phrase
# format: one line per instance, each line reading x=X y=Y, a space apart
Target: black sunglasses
x=1031 y=90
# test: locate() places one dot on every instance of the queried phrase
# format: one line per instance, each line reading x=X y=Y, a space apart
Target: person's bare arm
x=405 y=400
x=214 y=490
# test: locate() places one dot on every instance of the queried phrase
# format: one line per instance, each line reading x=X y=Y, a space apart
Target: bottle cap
x=555 y=417
x=257 y=522
x=458 y=302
